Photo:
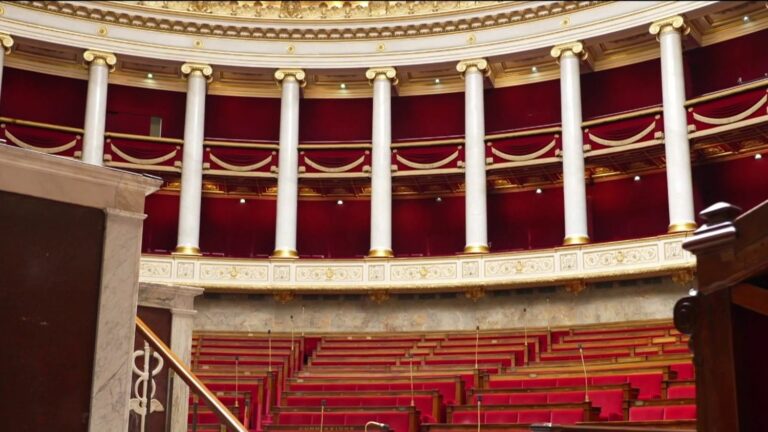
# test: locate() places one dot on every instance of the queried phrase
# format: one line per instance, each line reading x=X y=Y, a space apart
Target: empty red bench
x=664 y=412
x=610 y=402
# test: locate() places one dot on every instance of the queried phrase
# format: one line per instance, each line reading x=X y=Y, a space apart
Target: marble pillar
x=574 y=191
x=676 y=147
x=198 y=75
x=180 y=301
x=382 y=80
x=476 y=218
x=291 y=81
x=99 y=66
x=6 y=44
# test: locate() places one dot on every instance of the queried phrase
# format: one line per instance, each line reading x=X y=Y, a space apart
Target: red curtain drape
x=44 y=98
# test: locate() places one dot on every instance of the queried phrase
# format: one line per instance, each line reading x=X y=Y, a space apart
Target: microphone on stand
x=382 y=426
x=525 y=333
x=584 y=368
x=477 y=344
x=479 y=402
x=269 y=336
x=237 y=363
x=322 y=414
x=410 y=357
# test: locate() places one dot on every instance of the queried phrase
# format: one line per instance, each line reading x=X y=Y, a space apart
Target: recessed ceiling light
x=439 y=199
x=758 y=156
x=242 y=200
x=539 y=191
x=637 y=178
x=746 y=18
x=339 y=202
x=150 y=76
x=534 y=69
x=343 y=86
x=437 y=80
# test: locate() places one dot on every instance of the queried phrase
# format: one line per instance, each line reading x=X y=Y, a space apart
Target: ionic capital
x=479 y=64
x=93 y=57
x=297 y=74
x=197 y=69
x=674 y=23
x=389 y=72
x=576 y=48
x=6 y=41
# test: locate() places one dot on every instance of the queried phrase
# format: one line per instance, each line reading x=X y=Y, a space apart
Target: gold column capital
x=673 y=23
x=297 y=74
x=575 y=47
x=389 y=72
x=100 y=58
x=201 y=69
x=6 y=41
x=480 y=64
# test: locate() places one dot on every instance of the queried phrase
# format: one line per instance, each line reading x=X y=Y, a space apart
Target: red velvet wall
x=742 y=182
x=624 y=209
x=719 y=66
x=326 y=229
x=239 y=230
x=161 y=224
x=522 y=107
x=525 y=220
x=245 y=118
x=429 y=116
x=335 y=120
x=620 y=89
x=43 y=98
x=427 y=227
x=129 y=110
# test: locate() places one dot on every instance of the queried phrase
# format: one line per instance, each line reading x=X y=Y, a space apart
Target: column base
x=575 y=240
x=381 y=253
x=187 y=250
x=476 y=249
x=284 y=253
x=681 y=227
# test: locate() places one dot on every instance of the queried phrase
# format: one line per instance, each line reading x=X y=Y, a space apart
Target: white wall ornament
x=144 y=403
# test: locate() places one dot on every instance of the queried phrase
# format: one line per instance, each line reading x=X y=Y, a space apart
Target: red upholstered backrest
x=649 y=413
x=423 y=403
x=501 y=417
x=684 y=371
x=682 y=392
x=648 y=385
x=531 y=416
x=570 y=382
x=567 y=416
x=464 y=418
x=680 y=412
x=526 y=399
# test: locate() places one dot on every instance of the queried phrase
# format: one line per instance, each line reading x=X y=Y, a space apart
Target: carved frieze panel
x=329 y=273
x=219 y=272
x=521 y=266
x=621 y=257
x=423 y=272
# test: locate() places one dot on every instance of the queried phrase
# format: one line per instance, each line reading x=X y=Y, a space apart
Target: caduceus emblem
x=144 y=389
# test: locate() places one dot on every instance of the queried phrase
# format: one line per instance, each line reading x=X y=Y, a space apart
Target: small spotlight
x=534 y=69
x=339 y=202
x=758 y=156
x=539 y=191
x=437 y=80
x=242 y=200
x=637 y=178
x=439 y=199
x=150 y=76
x=343 y=86
x=746 y=18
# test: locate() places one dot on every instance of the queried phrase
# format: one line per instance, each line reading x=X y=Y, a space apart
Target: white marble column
x=100 y=64
x=291 y=81
x=6 y=43
x=679 y=183
x=198 y=75
x=476 y=218
x=574 y=193
x=180 y=301
x=381 y=161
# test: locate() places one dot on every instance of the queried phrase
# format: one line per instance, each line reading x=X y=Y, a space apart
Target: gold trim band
x=575 y=240
x=284 y=253
x=187 y=250
x=476 y=249
x=381 y=253
x=681 y=227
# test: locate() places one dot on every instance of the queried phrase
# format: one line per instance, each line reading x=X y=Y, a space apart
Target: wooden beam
x=751 y=297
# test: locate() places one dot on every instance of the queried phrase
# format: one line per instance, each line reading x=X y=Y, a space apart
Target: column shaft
x=574 y=192
x=381 y=172
x=676 y=147
x=96 y=106
x=6 y=43
x=192 y=164
x=476 y=228
x=288 y=167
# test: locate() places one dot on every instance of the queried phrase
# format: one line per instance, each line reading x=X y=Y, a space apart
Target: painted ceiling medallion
x=331 y=10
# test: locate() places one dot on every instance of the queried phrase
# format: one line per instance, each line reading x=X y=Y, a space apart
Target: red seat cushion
x=682 y=392
x=684 y=371
x=649 y=413
x=680 y=412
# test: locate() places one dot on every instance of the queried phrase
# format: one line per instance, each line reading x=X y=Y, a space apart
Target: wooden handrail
x=175 y=363
x=41 y=125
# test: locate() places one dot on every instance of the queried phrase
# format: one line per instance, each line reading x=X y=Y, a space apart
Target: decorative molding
x=205 y=70
x=298 y=74
x=100 y=58
x=480 y=64
x=674 y=23
x=389 y=72
x=646 y=257
x=576 y=48
x=379 y=297
x=6 y=41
